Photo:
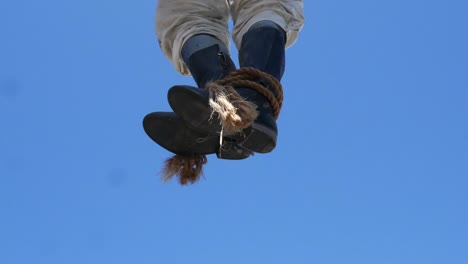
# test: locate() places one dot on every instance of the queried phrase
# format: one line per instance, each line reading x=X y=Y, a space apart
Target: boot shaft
x=263 y=48
x=207 y=59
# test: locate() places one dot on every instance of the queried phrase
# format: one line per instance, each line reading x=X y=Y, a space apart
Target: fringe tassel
x=235 y=113
x=188 y=169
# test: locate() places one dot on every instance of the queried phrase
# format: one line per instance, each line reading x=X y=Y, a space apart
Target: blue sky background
x=371 y=165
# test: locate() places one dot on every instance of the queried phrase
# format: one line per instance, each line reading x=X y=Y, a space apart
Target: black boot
x=208 y=60
x=211 y=63
x=171 y=133
x=263 y=48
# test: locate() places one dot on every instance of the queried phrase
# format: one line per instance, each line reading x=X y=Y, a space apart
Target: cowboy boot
x=262 y=48
x=207 y=60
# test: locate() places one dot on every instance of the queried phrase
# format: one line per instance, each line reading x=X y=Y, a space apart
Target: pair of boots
x=193 y=129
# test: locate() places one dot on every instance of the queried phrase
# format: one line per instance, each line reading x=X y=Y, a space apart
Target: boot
x=171 y=133
x=263 y=48
x=208 y=60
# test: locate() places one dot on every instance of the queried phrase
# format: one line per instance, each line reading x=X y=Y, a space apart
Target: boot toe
x=170 y=132
x=192 y=105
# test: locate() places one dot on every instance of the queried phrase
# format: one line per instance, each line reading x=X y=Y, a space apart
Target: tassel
x=235 y=113
x=188 y=169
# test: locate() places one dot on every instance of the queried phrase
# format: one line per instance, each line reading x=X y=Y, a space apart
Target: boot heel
x=260 y=139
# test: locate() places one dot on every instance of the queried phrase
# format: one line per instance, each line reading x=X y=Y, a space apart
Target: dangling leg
x=262 y=31
x=192 y=35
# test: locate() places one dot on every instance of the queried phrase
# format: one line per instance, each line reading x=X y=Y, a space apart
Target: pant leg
x=288 y=14
x=178 y=20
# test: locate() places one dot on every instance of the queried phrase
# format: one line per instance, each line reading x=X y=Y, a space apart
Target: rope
x=248 y=77
x=235 y=114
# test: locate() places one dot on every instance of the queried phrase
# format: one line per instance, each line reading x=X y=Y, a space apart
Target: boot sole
x=260 y=139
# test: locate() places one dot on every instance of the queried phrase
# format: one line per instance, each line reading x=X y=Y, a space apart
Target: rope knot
x=234 y=111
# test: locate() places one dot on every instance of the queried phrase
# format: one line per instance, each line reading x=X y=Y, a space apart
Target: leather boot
x=208 y=60
x=171 y=133
x=263 y=48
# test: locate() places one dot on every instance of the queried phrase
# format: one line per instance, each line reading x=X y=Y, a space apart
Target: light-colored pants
x=178 y=20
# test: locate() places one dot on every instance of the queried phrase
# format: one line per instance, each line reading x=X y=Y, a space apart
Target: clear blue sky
x=371 y=166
